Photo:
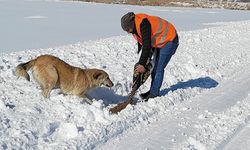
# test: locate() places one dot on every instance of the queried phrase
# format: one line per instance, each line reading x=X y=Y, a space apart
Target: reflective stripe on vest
x=161 y=30
x=153 y=39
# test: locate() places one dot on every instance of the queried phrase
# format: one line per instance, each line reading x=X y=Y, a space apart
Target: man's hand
x=140 y=68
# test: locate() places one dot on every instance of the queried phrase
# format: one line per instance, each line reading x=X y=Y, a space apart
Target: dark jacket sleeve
x=139 y=47
x=146 y=42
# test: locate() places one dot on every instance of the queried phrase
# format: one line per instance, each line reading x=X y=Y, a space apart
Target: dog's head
x=102 y=78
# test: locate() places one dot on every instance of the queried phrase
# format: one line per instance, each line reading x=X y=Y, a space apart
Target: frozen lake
x=27 y=24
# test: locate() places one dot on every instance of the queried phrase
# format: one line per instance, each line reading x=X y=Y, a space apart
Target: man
x=154 y=35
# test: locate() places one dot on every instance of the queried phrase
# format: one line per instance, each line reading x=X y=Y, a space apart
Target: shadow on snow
x=110 y=97
x=203 y=82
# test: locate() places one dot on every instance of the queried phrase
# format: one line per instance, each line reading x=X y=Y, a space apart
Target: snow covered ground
x=204 y=102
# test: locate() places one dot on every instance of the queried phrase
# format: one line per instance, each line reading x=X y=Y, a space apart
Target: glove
x=140 y=78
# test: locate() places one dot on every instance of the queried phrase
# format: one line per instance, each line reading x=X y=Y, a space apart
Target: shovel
x=138 y=80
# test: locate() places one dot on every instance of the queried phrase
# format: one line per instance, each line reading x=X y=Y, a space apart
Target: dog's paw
x=90 y=102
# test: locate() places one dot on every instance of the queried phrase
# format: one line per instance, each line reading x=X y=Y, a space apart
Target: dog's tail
x=23 y=68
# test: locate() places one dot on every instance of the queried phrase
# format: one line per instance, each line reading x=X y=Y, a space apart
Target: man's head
x=128 y=22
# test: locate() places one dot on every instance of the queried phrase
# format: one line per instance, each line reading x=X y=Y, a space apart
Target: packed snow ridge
x=207 y=63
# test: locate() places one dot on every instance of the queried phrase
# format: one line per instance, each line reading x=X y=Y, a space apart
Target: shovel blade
x=119 y=107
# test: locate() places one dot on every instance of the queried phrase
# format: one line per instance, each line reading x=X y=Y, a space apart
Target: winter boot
x=149 y=96
x=144 y=95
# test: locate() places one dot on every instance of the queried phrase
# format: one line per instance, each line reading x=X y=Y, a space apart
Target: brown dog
x=51 y=72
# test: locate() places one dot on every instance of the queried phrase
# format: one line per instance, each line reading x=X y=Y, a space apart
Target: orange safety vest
x=162 y=31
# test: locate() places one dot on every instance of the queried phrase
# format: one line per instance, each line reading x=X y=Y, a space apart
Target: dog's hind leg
x=47 y=78
x=46 y=91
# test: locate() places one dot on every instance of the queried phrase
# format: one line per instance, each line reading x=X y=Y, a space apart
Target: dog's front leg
x=88 y=98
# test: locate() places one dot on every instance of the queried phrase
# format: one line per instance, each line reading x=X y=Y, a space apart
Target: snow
x=204 y=101
x=237 y=142
x=67 y=131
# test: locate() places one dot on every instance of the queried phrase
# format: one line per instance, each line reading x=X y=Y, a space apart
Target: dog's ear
x=97 y=74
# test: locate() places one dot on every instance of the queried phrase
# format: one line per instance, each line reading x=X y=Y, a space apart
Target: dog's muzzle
x=109 y=83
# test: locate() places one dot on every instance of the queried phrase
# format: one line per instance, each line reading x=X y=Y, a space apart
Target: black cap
x=127 y=21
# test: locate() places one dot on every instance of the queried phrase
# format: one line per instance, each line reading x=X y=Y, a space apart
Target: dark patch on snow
x=203 y=82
